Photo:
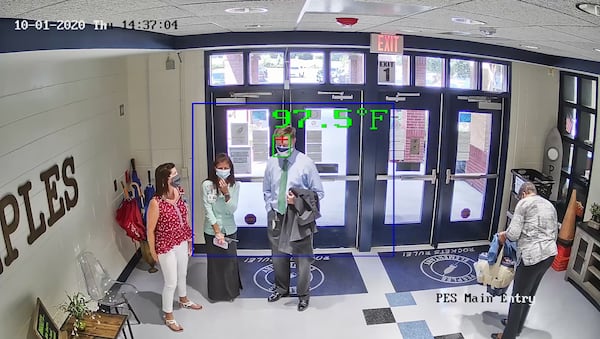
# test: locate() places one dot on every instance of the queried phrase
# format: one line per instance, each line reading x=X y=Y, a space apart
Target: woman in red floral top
x=170 y=239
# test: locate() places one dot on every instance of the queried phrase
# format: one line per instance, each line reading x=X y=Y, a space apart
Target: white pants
x=173 y=265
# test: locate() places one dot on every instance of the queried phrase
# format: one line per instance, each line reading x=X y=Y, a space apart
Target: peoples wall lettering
x=58 y=205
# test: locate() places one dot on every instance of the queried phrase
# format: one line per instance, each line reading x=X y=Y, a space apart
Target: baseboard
x=135 y=259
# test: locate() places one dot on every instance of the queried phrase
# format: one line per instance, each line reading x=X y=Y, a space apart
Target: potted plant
x=595 y=210
x=76 y=306
x=595 y=222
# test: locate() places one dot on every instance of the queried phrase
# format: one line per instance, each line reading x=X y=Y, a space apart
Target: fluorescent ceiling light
x=530 y=46
x=256 y=26
x=597 y=49
x=246 y=10
x=593 y=9
x=467 y=21
x=457 y=33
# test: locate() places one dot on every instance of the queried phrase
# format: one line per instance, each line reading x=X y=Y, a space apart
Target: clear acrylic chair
x=107 y=292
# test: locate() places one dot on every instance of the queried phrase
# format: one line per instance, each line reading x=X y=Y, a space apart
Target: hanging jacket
x=299 y=222
x=510 y=250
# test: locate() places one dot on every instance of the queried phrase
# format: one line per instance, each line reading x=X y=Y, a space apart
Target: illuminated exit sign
x=385 y=43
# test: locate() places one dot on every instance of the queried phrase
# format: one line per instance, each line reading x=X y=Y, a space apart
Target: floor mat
x=332 y=274
x=431 y=269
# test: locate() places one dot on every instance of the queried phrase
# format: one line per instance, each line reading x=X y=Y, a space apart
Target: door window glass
x=227 y=69
x=393 y=69
x=326 y=143
x=266 y=68
x=472 y=157
x=306 y=67
x=407 y=155
x=347 y=68
x=463 y=74
x=248 y=145
x=493 y=77
x=429 y=71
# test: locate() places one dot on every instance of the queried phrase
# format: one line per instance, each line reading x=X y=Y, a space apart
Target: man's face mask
x=282 y=150
x=176 y=181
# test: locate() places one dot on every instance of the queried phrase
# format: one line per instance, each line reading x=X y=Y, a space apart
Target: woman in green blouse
x=220 y=194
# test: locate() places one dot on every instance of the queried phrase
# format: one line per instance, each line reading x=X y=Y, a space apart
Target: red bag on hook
x=129 y=218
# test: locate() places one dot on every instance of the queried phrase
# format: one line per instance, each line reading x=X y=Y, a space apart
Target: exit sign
x=385 y=43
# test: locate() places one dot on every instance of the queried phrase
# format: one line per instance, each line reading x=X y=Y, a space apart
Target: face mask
x=282 y=150
x=176 y=181
x=223 y=174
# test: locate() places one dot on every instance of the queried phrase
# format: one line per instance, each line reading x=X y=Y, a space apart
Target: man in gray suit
x=291 y=187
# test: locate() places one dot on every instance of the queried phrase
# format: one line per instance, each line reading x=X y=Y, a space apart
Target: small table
x=104 y=326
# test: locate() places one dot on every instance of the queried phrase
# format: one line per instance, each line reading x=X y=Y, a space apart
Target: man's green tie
x=282 y=197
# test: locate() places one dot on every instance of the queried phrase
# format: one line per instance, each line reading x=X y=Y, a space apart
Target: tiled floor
x=559 y=312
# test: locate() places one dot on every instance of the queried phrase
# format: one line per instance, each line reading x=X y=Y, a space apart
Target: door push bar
x=401 y=96
x=323 y=178
x=337 y=95
x=249 y=94
x=432 y=178
x=463 y=177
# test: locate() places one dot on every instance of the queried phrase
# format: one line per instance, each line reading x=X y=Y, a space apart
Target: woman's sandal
x=173 y=325
x=190 y=305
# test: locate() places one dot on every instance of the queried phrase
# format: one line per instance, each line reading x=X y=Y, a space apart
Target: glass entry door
x=328 y=131
x=241 y=126
x=407 y=167
x=469 y=168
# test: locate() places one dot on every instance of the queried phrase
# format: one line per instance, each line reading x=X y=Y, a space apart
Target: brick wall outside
x=477 y=164
x=415 y=128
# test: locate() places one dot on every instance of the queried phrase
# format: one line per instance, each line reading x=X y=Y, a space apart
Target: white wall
x=160 y=104
x=51 y=110
x=533 y=113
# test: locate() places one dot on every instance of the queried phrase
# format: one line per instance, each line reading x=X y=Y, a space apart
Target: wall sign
x=386 y=43
x=58 y=205
x=241 y=159
x=386 y=71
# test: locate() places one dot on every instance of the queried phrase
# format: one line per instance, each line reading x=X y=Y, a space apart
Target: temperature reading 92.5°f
x=341 y=115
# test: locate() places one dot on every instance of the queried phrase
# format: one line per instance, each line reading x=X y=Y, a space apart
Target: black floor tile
x=379 y=316
x=450 y=336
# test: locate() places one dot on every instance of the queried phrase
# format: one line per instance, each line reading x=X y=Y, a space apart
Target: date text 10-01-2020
x=338 y=114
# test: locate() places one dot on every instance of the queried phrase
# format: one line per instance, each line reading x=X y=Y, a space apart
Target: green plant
x=595 y=210
x=76 y=306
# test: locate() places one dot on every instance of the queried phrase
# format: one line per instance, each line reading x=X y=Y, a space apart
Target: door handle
x=467 y=176
x=424 y=177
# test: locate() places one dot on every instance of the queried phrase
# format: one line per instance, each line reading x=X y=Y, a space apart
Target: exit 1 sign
x=386 y=43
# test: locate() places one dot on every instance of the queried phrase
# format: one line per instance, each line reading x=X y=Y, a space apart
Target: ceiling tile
x=218 y=8
x=351 y=7
x=567 y=7
x=517 y=10
x=535 y=33
x=14 y=8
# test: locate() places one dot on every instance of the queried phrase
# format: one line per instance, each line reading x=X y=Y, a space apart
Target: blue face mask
x=176 y=181
x=282 y=150
x=223 y=174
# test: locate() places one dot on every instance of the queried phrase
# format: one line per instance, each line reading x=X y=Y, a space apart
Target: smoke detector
x=346 y=22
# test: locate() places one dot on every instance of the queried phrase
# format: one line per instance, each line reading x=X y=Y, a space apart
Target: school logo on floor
x=264 y=278
x=449 y=268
